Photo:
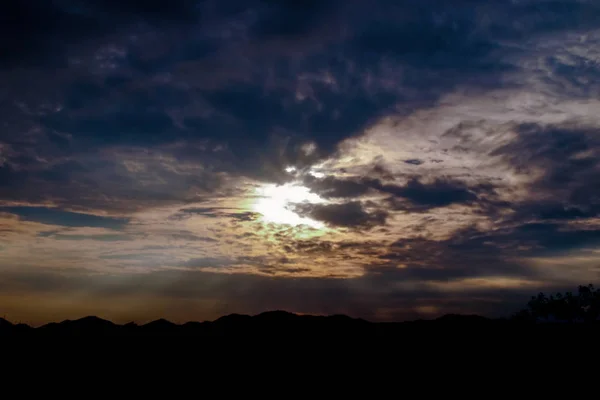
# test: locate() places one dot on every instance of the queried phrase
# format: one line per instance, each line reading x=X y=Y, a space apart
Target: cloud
x=351 y=214
x=538 y=238
x=118 y=181
x=319 y=73
x=563 y=158
x=58 y=217
x=210 y=212
x=53 y=24
x=215 y=212
x=331 y=187
x=438 y=193
x=209 y=262
x=104 y=238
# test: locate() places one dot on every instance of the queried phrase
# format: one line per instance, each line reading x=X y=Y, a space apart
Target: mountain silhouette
x=85 y=325
x=160 y=327
x=275 y=324
x=463 y=319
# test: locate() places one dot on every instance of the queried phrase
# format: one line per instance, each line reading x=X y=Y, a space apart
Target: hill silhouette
x=281 y=323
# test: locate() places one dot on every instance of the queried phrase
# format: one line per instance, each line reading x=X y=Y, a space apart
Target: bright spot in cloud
x=290 y=170
x=309 y=148
x=274 y=201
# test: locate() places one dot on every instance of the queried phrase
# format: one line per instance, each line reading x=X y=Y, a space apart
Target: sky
x=388 y=160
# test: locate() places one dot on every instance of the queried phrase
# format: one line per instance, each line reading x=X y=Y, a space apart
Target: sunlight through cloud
x=274 y=201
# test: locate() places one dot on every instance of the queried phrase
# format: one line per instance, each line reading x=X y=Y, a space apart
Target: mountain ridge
x=265 y=323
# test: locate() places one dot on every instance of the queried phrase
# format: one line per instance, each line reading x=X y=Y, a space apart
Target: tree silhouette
x=584 y=306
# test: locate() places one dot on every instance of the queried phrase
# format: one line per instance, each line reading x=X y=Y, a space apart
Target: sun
x=274 y=202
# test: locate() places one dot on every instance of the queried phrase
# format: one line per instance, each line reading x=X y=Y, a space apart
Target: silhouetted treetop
x=582 y=306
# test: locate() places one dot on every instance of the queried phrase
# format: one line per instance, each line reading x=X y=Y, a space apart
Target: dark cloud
x=99 y=237
x=130 y=125
x=561 y=151
x=188 y=236
x=310 y=247
x=350 y=215
x=414 y=161
x=178 y=10
x=185 y=213
x=293 y=19
x=569 y=161
x=537 y=238
x=215 y=212
x=381 y=172
x=274 y=266
x=244 y=216
x=561 y=212
x=210 y=262
x=114 y=182
x=32 y=30
x=439 y=193
x=331 y=187
x=258 y=77
x=52 y=216
x=460 y=257
x=413 y=195
x=471 y=253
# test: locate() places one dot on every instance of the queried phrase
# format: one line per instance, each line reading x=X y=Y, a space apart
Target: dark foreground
x=278 y=324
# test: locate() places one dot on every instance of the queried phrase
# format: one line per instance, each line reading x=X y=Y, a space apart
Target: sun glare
x=274 y=202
